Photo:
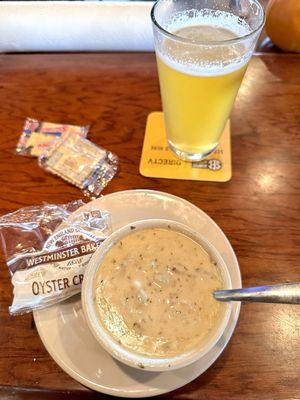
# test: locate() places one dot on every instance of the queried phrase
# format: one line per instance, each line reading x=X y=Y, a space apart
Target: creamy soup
x=153 y=293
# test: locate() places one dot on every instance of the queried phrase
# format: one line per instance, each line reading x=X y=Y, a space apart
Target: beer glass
x=202 y=49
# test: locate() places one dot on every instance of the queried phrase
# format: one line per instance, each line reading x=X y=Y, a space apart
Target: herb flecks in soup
x=153 y=293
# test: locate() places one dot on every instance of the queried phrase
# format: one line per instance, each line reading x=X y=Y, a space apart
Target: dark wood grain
x=258 y=209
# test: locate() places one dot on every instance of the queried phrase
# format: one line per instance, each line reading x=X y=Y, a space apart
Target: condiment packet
x=39 y=137
x=82 y=163
x=46 y=255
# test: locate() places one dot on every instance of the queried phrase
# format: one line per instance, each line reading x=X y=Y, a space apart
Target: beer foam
x=199 y=57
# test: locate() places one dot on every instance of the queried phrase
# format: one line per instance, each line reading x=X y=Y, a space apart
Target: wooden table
x=258 y=209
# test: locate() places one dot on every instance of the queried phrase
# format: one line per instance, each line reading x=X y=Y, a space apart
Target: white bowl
x=106 y=340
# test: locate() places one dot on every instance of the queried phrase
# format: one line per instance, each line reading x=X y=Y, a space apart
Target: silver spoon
x=288 y=293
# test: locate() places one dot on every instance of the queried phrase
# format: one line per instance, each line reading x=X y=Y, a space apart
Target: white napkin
x=75 y=26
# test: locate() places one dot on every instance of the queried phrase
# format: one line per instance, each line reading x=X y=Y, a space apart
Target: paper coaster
x=158 y=161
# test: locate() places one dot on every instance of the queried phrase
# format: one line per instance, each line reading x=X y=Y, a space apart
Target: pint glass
x=202 y=48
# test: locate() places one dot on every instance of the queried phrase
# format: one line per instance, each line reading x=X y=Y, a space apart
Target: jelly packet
x=82 y=163
x=46 y=254
x=39 y=137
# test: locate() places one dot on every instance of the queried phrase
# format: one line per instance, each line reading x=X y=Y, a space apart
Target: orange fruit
x=283 y=24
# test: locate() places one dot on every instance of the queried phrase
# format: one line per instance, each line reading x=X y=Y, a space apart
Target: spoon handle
x=288 y=293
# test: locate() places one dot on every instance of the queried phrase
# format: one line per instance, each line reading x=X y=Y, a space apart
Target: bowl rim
x=106 y=340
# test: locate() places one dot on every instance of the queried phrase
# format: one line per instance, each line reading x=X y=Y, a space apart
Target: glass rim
x=207 y=42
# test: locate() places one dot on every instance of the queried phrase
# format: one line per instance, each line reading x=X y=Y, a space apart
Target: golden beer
x=202 y=49
x=197 y=102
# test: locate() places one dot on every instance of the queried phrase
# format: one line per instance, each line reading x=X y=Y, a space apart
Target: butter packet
x=82 y=163
x=38 y=137
x=46 y=255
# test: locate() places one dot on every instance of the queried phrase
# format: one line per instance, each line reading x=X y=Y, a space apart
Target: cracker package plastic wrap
x=39 y=137
x=47 y=254
x=82 y=163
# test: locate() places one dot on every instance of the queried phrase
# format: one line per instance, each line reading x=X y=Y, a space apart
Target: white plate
x=65 y=333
